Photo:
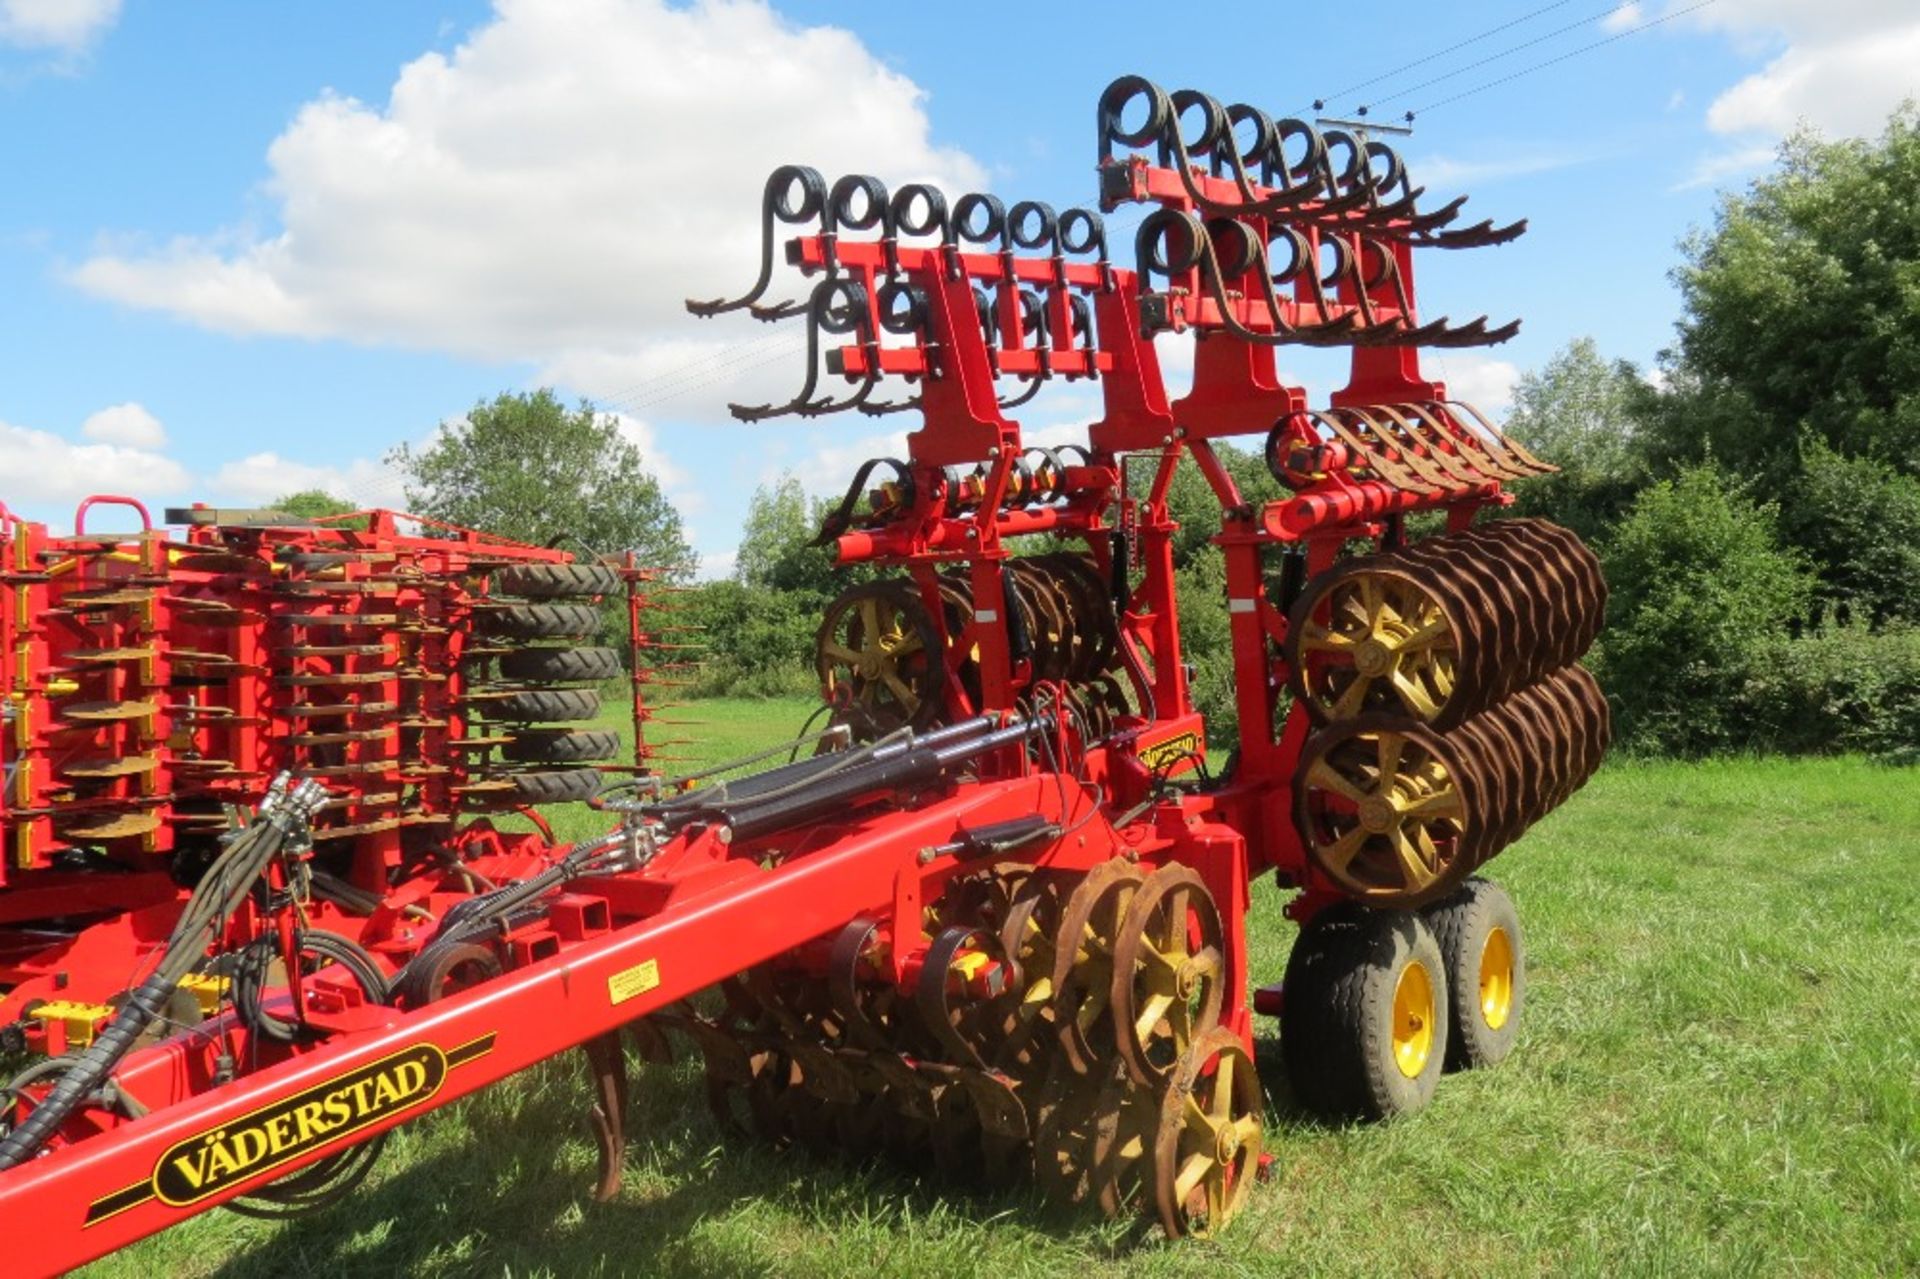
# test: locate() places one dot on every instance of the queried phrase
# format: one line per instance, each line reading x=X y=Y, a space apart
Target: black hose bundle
x=243 y=858
x=507 y=907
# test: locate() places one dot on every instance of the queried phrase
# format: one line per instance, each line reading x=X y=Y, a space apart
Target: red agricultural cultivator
x=258 y=907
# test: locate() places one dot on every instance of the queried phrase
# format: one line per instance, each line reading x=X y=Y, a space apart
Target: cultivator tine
x=1480 y=235
x=606 y=1063
x=1494 y=439
x=795 y=194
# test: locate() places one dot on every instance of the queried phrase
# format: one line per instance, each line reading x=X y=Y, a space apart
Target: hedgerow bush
x=1699 y=589
x=1843 y=689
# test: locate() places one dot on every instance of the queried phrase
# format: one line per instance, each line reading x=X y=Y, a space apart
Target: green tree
x=776 y=550
x=1802 y=311
x=1579 y=412
x=1699 y=589
x=313 y=504
x=527 y=467
x=1859 y=520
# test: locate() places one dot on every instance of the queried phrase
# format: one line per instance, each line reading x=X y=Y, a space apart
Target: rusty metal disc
x=1380 y=634
x=1206 y=1148
x=106 y=712
x=1389 y=810
x=98 y=825
x=105 y=767
x=1169 y=970
x=1083 y=961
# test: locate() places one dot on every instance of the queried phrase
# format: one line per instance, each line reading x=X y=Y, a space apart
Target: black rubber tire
x=561 y=746
x=556 y=581
x=1462 y=923
x=545 y=705
x=539 y=621
x=1336 y=1024
x=554 y=786
x=559 y=665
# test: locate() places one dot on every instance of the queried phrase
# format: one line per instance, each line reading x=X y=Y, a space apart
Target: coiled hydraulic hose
x=246 y=854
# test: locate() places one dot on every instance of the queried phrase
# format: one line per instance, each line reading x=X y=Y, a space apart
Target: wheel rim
x=1384 y=812
x=1207 y=1148
x=1386 y=643
x=1413 y=1019
x=1496 y=979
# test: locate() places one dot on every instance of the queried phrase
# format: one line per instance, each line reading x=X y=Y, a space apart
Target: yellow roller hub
x=1413 y=1019
x=1496 y=979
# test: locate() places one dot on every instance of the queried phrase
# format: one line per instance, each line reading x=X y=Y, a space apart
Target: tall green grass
x=1719 y=1073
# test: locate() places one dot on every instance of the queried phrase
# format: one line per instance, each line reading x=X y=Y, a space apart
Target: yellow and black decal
x=218 y=1158
x=1164 y=755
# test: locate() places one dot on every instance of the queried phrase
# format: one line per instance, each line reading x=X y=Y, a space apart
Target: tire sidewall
x=1461 y=924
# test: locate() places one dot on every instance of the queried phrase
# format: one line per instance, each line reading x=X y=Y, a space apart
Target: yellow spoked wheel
x=878 y=658
x=1083 y=962
x=1413 y=1018
x=1168 y=971
x=1384 y=808
x=1207 y=1148
x=1374 y=639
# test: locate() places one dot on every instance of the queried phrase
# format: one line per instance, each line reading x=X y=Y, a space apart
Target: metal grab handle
x=110 y=499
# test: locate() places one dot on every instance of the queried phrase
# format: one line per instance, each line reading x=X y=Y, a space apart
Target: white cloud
x=1845 y=66
x=66 y=25
x=1712 y=170
x=715 y=565
x=549 y=191
x=1480 y=380
x=128 y=425
x=260 y=478
x=1444 y=173
x=676 y=481
x=1626 y=16
x=39 y=467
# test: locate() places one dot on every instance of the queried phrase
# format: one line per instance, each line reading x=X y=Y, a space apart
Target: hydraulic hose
x=219 y=893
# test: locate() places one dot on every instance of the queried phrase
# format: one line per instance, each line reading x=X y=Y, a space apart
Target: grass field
x=1719 y=1073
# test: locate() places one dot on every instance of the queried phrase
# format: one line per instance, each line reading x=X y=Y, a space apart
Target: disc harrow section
x=888 y=660
x=1050 y=1025
x=159 y=679
x=1397 y=814
x=1443 y=629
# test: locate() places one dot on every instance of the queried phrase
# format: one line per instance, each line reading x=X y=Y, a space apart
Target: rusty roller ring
x=1389 y=810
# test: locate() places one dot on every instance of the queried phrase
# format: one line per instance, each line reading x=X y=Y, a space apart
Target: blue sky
x=249 y=248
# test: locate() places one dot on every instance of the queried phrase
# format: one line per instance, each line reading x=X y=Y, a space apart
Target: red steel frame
x=707 y=907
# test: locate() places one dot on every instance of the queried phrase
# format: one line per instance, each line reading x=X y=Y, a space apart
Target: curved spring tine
x=775 y=207
x=1218 y=139
x=856 y=315
x=1015 y=401
x=1084 y=231
x=1424 y=223
x=1479 y=235
x=1476 y=333
x=1378 y=456
x=1409 y=450
x=1473 y=450
x=1114 y=100
x=881 y=408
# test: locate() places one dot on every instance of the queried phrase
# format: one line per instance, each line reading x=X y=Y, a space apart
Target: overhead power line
x=1399 y=95
x=1573 y=53
x=1452 y=48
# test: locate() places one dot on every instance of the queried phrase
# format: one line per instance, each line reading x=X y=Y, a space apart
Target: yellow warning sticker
x=638 y=980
